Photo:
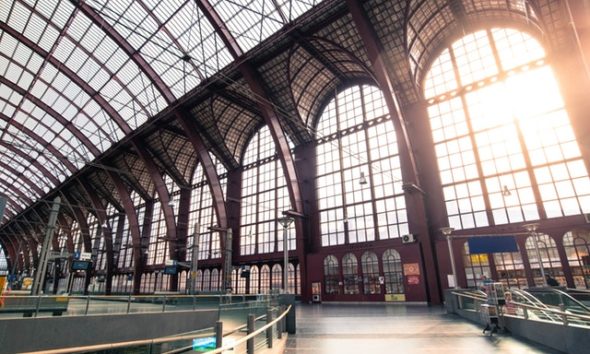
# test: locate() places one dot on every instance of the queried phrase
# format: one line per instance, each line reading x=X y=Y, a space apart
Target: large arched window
x=331 y=275
x=203 y=215
x=264 y=198
x=393 y=272
x=264 y=279
x=358 y=170
x=549 y=258
x=506 y=150
x=277 y=277
x=3 y=262
x=577 y=249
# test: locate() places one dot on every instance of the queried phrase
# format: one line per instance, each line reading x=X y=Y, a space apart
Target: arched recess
x=504 y=143
x=317 y=68
x=331 y=275
x=393 y=272
x=350 y=274
x=359 y=175
x=370 y=267
x=432 y=25
x=264 y=197
x=577 y=249
x=550 y=260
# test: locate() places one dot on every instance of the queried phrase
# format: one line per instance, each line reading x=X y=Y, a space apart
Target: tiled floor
x=381 y=328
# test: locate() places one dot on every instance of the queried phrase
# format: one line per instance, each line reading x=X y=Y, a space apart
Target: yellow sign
x=27 y=283
x=2 y=283
x=395 y=297
x=479 y=259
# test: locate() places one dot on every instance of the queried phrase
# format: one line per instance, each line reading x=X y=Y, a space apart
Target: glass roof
x=77 y=76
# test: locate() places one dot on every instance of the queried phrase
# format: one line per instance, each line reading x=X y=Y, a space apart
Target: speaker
x=409 y=238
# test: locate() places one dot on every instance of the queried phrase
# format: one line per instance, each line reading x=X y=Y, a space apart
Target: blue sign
x=492 y=244
x=77 y=255
x=204 y=344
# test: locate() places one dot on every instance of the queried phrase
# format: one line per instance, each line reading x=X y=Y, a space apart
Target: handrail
x=251 y=335
x=135 y=342
x=532 y=307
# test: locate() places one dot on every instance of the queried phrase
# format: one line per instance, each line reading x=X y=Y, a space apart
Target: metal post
x=447 y=232
x=251 y=328
x=42 y=267
x=269 y=329
x=195 y=261
x=218 y=334
x=532 y=228
x=128 y=303
x=87 y=304
x=164 y=304
x=228 y=262
x=285 y=221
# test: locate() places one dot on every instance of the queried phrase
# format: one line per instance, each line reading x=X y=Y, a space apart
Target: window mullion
x=482 y=183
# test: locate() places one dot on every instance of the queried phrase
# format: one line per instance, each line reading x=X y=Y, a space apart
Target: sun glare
x=498 y=121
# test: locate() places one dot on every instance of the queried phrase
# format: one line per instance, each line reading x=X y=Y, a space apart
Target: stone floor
x=382 y=328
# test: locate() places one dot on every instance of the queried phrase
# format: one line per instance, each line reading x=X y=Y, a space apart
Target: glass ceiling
x=77 y=76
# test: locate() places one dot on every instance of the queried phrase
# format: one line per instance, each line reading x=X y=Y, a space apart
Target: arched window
x=202 y=213
x=207 y=280
x=577 y=248
x=504 y=143
x=370 y=264
x=476 y=267
x=350 y=274
x=298 y=283
x=510 y=269
x=254 y=279
x=214 y=280
x=358 y=170
x=392 y=272
x=331 y=275
x=241 y=283
x=199 y=280
x=277 y=277
x=264 y=198
x=264 y=279
x=292 y=279
x=549 y=256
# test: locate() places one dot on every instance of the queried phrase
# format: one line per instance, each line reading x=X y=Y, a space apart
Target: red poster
x=413 y=279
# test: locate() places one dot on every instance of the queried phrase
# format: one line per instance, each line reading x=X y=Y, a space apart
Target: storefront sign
x=395 y=297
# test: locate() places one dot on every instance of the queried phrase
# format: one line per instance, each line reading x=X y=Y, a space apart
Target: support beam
x=416 y=209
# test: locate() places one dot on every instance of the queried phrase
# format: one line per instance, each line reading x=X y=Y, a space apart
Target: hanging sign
x=411 y=269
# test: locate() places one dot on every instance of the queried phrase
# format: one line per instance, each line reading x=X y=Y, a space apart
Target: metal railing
x=533 y=310
x=75 y=305
x=273 y=328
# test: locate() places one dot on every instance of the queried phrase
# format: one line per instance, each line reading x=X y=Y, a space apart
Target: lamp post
x=195 y=260
x=532 y=228
x=446 y=231
x=285 y=221
x=228 y=253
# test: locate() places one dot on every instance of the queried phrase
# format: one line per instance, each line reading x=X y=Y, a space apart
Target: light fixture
x=362 y=179
x=506 y=192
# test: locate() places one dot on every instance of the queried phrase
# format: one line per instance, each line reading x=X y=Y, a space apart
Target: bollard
x=38 y=305
x=251 y=328
x=269 y=329
x=87 y=304
x=280 y=324
x=128 y=303
x=194 y=302
x=164 y=304
x=218 y=334
x=564 y=316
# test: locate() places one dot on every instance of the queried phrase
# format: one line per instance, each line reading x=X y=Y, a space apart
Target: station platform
x=385 y=328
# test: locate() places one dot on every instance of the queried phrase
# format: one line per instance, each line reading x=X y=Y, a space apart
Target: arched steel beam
x=67 y=124
x=208 y=168
x=67 y=227
x=132 y=218
x=70 y=75
x=105 y=228
x=40 y=141
x=127 y=48
x=272 y=121
x=417 y=219
x=263 y=102
x=82 y=222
